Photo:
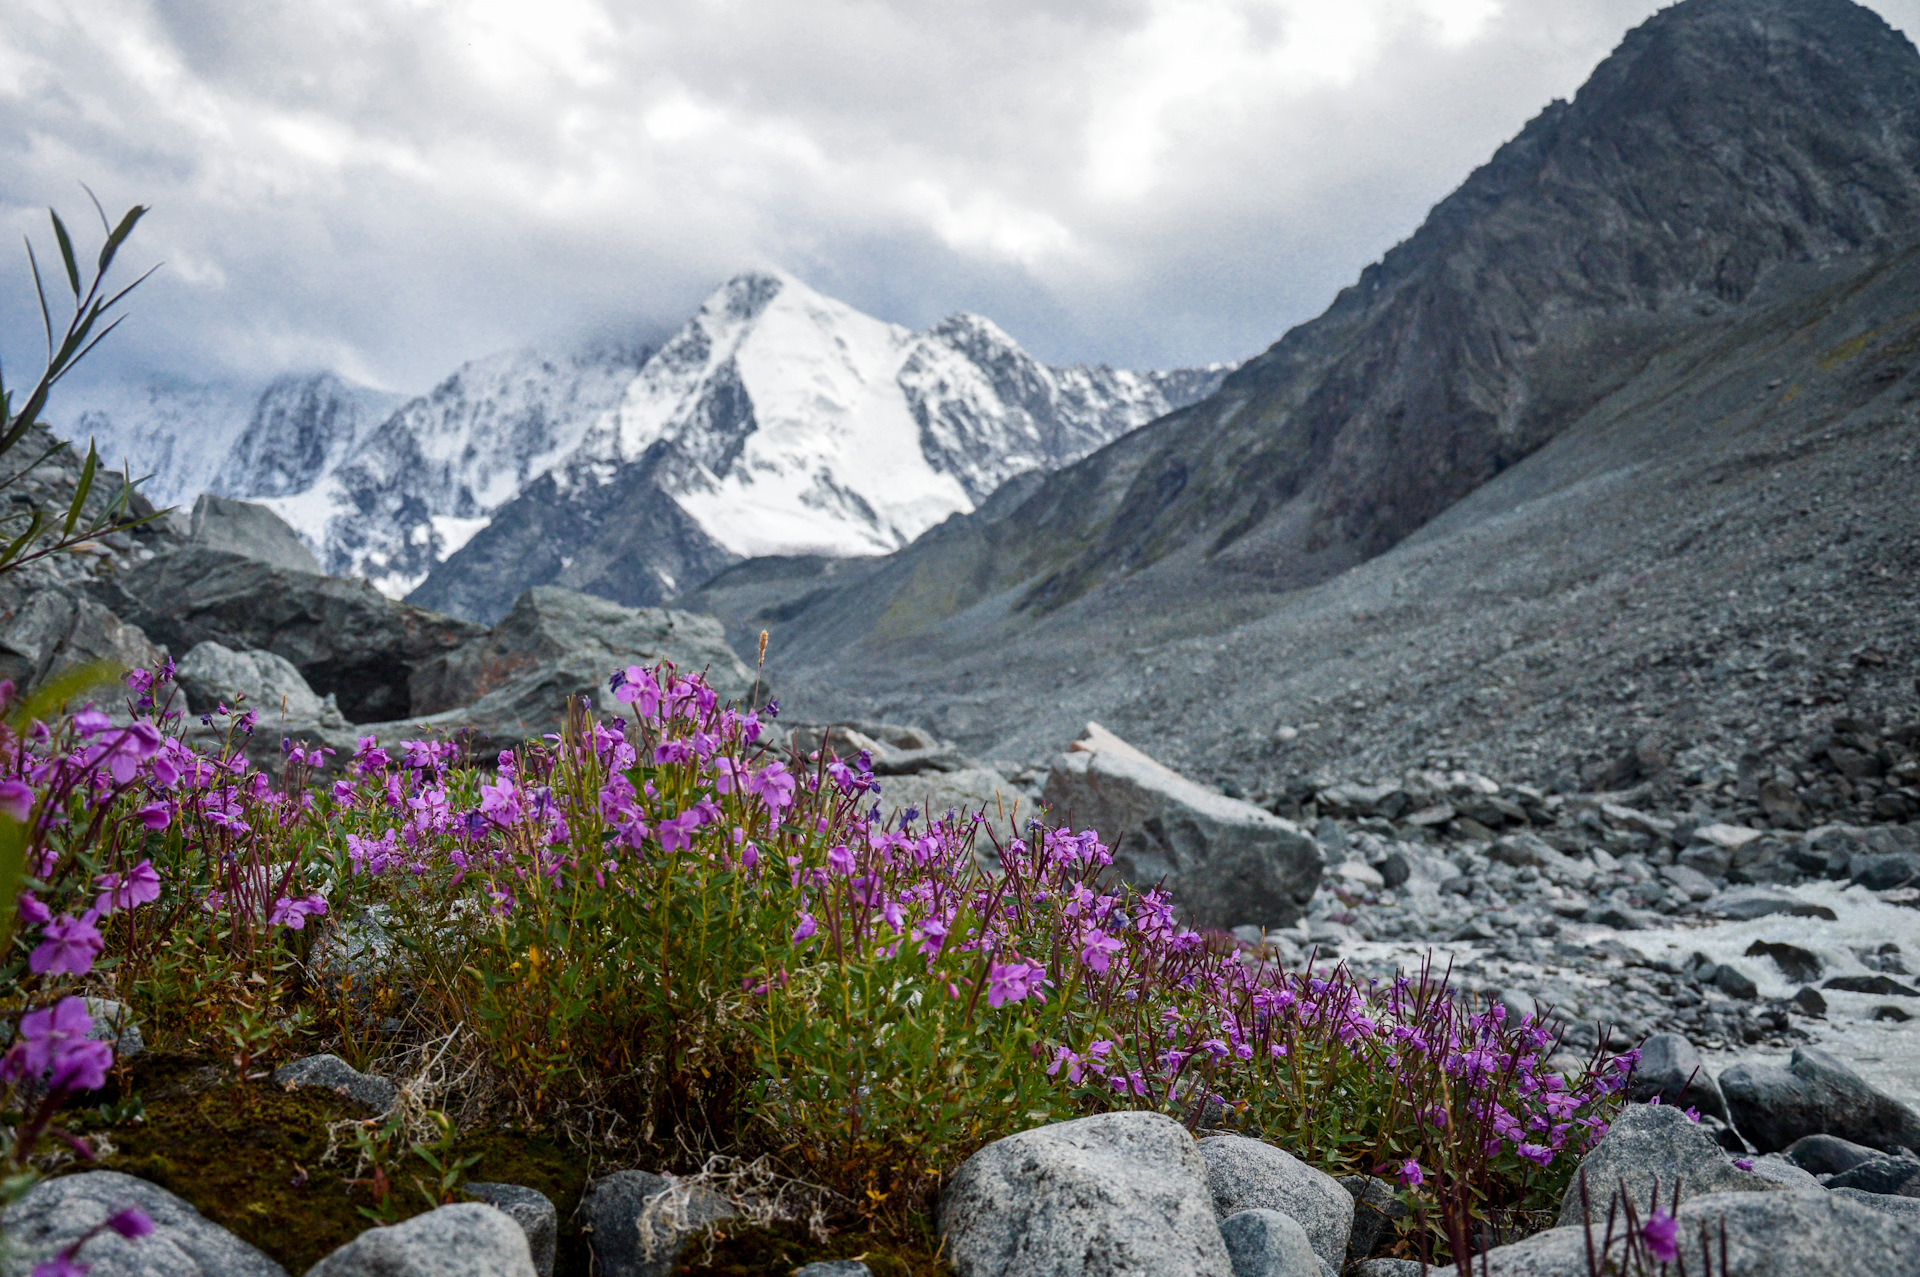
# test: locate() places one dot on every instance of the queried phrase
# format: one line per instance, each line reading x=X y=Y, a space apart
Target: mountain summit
x=778 y=421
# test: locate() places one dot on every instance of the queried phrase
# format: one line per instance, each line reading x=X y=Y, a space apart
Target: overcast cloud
x=389 y=187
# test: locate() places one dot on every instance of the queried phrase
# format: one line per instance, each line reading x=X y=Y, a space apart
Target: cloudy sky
x=388 y=187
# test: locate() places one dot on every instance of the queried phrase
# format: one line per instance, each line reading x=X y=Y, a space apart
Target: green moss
x=781 y=1248
x=249 y=1155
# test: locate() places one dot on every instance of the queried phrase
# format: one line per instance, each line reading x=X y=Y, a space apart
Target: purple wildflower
x=1661 y=1233
x=67 y=946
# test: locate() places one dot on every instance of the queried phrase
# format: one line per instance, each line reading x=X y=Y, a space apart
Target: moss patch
x=779 y=1249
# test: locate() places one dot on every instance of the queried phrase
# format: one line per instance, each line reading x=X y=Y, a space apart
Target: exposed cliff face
x=1721 y=139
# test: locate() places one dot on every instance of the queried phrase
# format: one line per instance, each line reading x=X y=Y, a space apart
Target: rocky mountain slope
x=1650 y=369
x=780 y=421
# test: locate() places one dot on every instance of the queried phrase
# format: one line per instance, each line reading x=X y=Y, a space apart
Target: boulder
x=833 y=1268
x=335 y=1074
x=242 y=527
x=47 y=631
x=1377 y=1211
x=1116 y=1195
x=1888 y=1176
x=1226 y=862
x=1743 y=904
x=1649 y=1144
x=969 y=790
x=1907 y=1208
x=1670 y=1067
x=1767 y=1235
x=1815 y=1094
x=554 y=636
x=638 y=1222
x=1248 y=1174
x=1797 y=964
x=1885 y=872
x=1828 y=1154
x=56 y=1213
x=212 y=675
x=469 y=1239
x=532 y=1210
x=345 y=637
x=1265 y=1243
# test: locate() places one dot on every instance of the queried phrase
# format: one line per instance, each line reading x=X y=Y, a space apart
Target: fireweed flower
x=139 y=886
x=16 y=799
x=130 y=1223
x=804 y=932
x=1410 y=1173
x=1097 y=948
x=68 y=946
x=1661 y=1233
x=1014 y=982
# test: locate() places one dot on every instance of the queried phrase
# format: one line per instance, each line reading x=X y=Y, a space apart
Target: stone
x=56 y=1213
x=345 y=637
x=550 y=629
x=1797 y=964
x=1735 y=983
x=1377 y=1212
x=1890 y=1176
x=1654 y=1143
x=834 y=1268
x=113 y=1023
x=1878 y=985
x=1249 y=1174
x=335 y=1074
x=1395 y=870
x=1743 y=904
x=1725 y=836
x=532 y=1210
x=1828 y=1154
x=48 y=631
x=1225 y=861
x=1907 y=1208
x=1807 y=1234
x=1809 y=1001
x=968 y=790
x=1815 y=1094
x=1670 y=1067
x=1886 y=872
x=213 y=674
x=1115 y=1195
x=1695 y=885
x=1265 y=1243
x=613 y=1210
x=1384 y=1267
x=468 y=1239
x=243 y=527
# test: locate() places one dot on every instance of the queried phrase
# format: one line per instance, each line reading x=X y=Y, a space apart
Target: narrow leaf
x=81 y=490
x=66 y=253
x=46 y=315
x=119 y=235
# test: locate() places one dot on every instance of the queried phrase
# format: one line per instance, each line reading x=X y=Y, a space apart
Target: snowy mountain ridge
x=775 y=421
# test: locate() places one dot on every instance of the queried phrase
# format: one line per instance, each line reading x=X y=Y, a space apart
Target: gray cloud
x=387 y=187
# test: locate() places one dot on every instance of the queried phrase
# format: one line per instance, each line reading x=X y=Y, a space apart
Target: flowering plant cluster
x=665 y=925
x=666 y=914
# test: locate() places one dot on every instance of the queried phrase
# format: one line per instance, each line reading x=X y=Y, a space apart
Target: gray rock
x=242 y=527
x=335 y=1074
x=1876 y=985
x=1735 y=983
x=555 y=638
x=1376 y=1211
x=1890 y=1176
x=1743 y=904
x=1828 y=1154
x=1815 y=1094
x=47 y=631
x=1248 y=1174
x=612 y=1212
x=1670 y=1067
x=213 y=674
x=834 y=1268
x=1797 y=964
x=1265 y=1243
x=1117 y=1195
x=1225 y=861
x=1885 y=872
x=1650 y=1143
x=528 y=1208
x=345 y=637
x=113 y=1022
x=55 y=1213
x=1777 y=1169
x=1768 y=1235
x=1907 y=1208
x=1695 y=885
x=1389 y=1268
x=965 y=791
x=469 y=1239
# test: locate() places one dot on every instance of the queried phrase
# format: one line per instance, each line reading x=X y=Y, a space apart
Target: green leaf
x=81 y=491
x=66 y=253
x=119 y=235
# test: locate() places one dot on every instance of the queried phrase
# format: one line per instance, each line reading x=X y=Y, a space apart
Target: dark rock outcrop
x=250 y=529
x=1815 y=1094
x=345 y=637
